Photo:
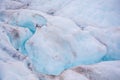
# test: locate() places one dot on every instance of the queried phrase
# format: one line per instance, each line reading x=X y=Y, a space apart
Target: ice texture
x=59 y=40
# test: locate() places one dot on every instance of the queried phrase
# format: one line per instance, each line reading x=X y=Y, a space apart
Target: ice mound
x=61 y=44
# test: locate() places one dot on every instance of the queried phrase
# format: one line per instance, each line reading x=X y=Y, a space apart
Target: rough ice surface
x=59 y=40
x=100 y=13
x=110 y=38
x=101 y=71
x=12 y=63
x=54 y=42
x=19 y=18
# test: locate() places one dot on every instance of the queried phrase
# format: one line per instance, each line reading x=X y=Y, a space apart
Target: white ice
x=49 y=36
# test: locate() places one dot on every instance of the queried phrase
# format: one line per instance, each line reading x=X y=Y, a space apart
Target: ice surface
x=62 y=45
x=108 y=70
x=13 y=4
x=12 y=63
x=17 y=36
x=102 y=71
x=39 y=37
x=110 y=37
x=102 y=13
x=19 y=18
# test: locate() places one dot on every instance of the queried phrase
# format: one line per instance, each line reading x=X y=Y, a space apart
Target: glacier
x=54 y=42
x=100 y=13
x=59 y=40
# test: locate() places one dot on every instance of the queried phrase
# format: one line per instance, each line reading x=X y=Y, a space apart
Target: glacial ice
x=62 y=45
x=18 y=37
x=19 y=18
x=110 y=37
x=102 y=13
x=12 y=63
x=58 y=44
x=102 y=71
x=43 y=38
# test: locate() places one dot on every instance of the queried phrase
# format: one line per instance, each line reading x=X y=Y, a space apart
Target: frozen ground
x=59 y=40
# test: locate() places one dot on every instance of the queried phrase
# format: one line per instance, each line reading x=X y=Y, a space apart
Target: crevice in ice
x=82 y=27
x=52 y=11
x=32 y=21
x=35 y=25
x=17 y=36
x=101 y=42
x=103 y=59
